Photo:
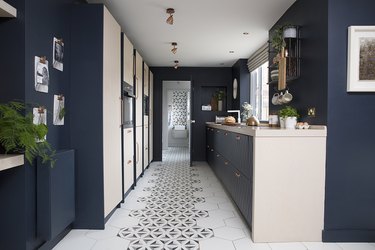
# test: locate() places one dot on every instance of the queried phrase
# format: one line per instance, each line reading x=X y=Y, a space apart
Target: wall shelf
x=6 y=10
x=10 y=161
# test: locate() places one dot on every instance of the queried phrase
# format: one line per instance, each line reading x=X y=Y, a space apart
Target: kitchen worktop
x=266 y=131
x=10 y=161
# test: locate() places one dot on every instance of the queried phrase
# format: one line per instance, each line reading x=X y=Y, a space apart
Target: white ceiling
x=205 y=30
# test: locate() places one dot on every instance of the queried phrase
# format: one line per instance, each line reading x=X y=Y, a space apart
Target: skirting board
x=348 y=235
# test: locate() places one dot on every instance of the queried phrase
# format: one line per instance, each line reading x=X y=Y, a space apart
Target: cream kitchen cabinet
x=138 y=90
x=139 y=151
x=146 y=79
x=145 y=147
x=128 y=60
x=128 y=151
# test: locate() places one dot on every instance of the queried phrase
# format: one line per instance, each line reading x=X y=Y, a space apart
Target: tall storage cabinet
x=138 y=151
x=146 y=85
x=139 y=113
x=95 y=113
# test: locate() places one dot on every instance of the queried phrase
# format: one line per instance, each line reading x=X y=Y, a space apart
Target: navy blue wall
x=200 y=77
x=241 y=72
x=310 y=90
x=350 y=186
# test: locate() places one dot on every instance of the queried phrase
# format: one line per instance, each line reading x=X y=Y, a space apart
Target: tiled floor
x=175 y=206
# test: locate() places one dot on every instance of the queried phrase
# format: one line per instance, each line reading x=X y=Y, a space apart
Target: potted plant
x=18 y=134
x=288 y=117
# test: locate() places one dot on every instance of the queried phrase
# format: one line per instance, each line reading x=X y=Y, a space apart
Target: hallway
x=175 y=206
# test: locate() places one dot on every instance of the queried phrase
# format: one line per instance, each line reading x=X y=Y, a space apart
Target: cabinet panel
x=138 y=90
x=242 y=194
x=151 y=145
x=128 y=61
x=111 y=113
x=145 y=79
x=145 y=146
x=128 y=158
x=151 y=112
x=138 y=153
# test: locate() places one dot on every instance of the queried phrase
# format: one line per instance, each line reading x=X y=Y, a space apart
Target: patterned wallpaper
x=179 y=107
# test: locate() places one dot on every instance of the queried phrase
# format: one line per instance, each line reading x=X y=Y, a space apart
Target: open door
x=191 y=122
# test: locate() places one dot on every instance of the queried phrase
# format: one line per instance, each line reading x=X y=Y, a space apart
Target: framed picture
x=361 y=59
x=58 y=54
x=41 y=74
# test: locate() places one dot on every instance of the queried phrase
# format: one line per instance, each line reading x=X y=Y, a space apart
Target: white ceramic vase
x=282 y=122
x=290 y=122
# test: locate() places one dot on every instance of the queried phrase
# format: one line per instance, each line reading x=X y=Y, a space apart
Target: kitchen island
x=275 y=176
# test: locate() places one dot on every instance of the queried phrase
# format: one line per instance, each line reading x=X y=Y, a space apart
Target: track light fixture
x=176 y=64
x=170 y=11
x=174 y=49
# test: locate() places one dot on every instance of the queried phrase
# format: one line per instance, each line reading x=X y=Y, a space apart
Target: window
x=259 y=92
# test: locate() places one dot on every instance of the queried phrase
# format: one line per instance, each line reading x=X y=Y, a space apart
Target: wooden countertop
x=10 y=161
x=265 y=131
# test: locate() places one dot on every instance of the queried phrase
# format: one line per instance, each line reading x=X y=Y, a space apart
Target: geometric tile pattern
x=169 y=220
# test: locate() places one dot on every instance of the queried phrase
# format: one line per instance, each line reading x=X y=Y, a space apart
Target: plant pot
x=282 y=122
x=290 y=122
x=220 y=105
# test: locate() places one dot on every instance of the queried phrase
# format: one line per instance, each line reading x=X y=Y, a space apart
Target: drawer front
x=243 y=194
x=239 y=152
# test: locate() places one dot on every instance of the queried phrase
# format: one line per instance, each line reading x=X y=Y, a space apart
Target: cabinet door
x=128 y=158
x=151 y=112
x=150 y=145
x=145 y=146
x=139 y=153
x=112 y=172
x=138 y=90
x=145 y=79
x=128 y=61
x=243 y=194
x=239 y=152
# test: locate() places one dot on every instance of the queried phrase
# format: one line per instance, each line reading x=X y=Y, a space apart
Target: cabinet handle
x=225 y=133
x=226 y=163
x=212 y=150
x=208 y=146
x=146 y=148
x=238 y=137
x=212 y=129
x=237 y=174
x=129 y=161
x=129 y=131
x=217 y=131
x=217 y=155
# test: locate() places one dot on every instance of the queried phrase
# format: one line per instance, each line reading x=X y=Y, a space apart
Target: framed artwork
x=361 y=59
x=58 y=54
x=41 y=81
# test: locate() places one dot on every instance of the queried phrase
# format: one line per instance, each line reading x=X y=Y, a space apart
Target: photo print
x=58 y=54
x=40 y=117
x=41 y=74
x=367 y=59
x=58 y=110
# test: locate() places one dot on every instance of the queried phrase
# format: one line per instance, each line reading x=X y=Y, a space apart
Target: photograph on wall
x=58 y=54
x=58 y=110
x=361 y=59
x=41 y=74
x=367 y=59
x=40 y=117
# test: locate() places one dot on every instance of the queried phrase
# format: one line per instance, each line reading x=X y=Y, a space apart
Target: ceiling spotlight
x=170 y=11
x=174 y=49
x=176 y=64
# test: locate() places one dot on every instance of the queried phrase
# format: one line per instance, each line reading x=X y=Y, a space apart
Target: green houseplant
x=18 y=134
x=288 y=117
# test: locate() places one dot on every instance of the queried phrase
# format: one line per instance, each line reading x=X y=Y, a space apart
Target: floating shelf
x=10 y=161
x=6 y=10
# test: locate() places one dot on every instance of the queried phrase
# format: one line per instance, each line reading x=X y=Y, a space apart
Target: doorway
x=176 y=118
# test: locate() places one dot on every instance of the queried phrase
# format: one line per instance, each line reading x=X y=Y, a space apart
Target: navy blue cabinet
x=230 y=157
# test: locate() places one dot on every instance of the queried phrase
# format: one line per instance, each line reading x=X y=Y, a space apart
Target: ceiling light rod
x=174 y=49
x=170 y=11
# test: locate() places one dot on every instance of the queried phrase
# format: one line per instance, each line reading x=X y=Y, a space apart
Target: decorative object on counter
x=18 y=134
x=219 y=119
x=235 y=88
x=229 y=120
x=58 y=110
x=273 y=120
x=220 y=97
x=41 y=74
x=58 y=54
x=361 y=59
x=247 y=115
x=302 y=125
x=170 y=19
x=288 y=117
x=252 y=121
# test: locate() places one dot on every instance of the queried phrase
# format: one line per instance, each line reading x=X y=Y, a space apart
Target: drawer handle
x=146 y=148
x=217 y=131
x=212 y=150
x=238 y=137
x=226 y=163
x=237 y=174
x=217 y=155
x=129 y=161
x=212 y=129
x=129 y=131
x=225 y=133
x=208 y=146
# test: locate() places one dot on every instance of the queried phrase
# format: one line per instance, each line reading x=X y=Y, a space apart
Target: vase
x=282 y=122
x=220 y=105
x=290 y=122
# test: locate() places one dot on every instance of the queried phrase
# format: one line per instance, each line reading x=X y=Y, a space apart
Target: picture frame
x=361 y=59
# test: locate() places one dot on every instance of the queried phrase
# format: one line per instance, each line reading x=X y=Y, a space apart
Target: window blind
x=258 y=58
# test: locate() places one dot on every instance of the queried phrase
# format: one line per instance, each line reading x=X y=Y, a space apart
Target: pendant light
x=174 y=49
x=176 y=64
x=170 y=20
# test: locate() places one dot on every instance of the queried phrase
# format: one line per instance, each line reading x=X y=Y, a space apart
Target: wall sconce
x=170 y=20
x=176 y=64
x=174 y=49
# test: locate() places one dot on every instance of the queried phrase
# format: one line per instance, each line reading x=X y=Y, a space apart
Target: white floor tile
x=111 y=244
x=247 y=244
x=124 y=221
x=107 y=233
x=221 y=214
x=210 y=222
x=236 y=223
x=206 y=206
x=321 y=246
x=216 y=244
x=229 y=233
x=287 y=246
x=356 y=246
x=75 y=240
x=228 y=206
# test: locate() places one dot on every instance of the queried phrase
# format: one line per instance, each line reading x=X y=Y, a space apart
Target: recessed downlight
x=231 y=51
